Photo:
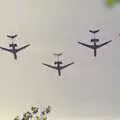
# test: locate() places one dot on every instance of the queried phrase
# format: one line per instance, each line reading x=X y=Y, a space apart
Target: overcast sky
x=87 y=90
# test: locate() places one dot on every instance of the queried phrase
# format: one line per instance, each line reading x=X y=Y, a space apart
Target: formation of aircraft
x=13 y=46
x=94 y=40
x=58 y=63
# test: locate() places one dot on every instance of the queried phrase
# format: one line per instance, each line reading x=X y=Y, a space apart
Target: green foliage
x=35 y=114
x=48 y=109
x=111 y=3
x=16 y=118
x=34 y=109
x=37 y=117
x=27 y=116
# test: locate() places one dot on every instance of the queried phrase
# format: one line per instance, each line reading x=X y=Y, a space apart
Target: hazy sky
x=87 y=90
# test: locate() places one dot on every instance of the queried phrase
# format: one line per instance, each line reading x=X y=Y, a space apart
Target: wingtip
x=29 y=44
x=80 y=43
x=43 y=63
x=109 y=41
x=73 y=62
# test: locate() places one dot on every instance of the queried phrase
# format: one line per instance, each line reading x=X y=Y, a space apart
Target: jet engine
x=58 y=62
x=11 y=45
x=94 y=40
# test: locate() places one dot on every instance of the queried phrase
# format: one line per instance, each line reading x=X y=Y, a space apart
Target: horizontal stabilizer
x=57 y=54
x=12 y=36
x=94 y=31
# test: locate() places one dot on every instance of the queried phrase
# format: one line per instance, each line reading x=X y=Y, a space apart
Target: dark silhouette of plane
x=94 y=40
x=13 y=46
x=58 y=64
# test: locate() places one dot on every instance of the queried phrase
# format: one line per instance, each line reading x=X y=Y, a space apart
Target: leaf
x=17 y=118
x=34 y=109
x=27 y=116
x=37 y=118
x=110 y=2
x=45 y=118
x=48 y=109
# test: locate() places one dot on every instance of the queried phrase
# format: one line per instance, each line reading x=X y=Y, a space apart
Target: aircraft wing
x=62 y=67
x=19 y=49
x=89 y=46
x=9 y=50
x=98 y=46
x=49 y=66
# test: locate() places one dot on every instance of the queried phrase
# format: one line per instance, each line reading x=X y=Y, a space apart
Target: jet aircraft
x=13 y=46
x=94 y=40
x=58 y=63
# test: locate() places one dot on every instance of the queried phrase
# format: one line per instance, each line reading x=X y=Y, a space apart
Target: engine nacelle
x=94 y=40
x=11 y=45
x=15 y=45
x=58 y=62
x=55 y=63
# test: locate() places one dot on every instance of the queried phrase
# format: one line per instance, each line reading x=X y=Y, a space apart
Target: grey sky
x=87 y=90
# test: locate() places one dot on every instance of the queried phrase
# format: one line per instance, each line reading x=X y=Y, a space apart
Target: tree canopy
x=35 y=113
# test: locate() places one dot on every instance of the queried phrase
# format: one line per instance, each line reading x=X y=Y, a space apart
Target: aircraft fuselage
x=13 y=46
x=58 y=63
x=95 y=46
x=95 y=49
